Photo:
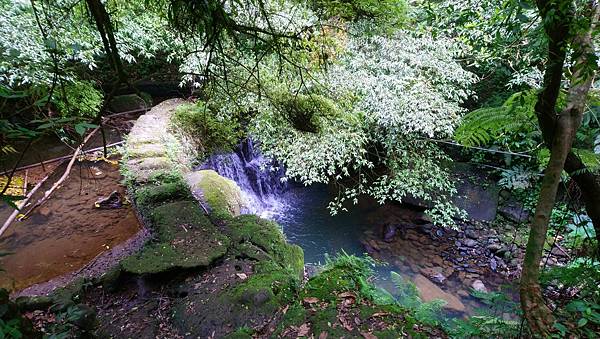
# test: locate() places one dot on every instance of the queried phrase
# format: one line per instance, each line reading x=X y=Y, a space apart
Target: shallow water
x=66 y=232
x=307 y=222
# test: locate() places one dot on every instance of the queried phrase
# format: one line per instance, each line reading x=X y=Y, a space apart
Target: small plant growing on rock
x=210 y=131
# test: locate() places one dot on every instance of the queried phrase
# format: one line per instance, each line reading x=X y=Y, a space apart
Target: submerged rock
x=389 y=232
x=114 y=200
x=429 y=291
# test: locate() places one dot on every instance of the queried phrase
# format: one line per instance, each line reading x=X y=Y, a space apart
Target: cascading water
x=259 y=178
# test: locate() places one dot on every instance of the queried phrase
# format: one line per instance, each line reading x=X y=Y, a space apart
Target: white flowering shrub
x=390 y=95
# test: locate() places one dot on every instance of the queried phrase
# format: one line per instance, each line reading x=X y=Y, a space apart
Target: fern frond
x=483 y=125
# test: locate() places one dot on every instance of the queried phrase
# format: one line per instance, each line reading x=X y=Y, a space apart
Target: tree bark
x=107 y=35
x=545 y=109
x=564 y=126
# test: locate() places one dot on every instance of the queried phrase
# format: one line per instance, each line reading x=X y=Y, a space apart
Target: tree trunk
x=565 y=125
x=105 y=29
x=557 y=30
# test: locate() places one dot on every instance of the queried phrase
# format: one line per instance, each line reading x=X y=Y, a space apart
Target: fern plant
x=408 y=296
x=485 y=125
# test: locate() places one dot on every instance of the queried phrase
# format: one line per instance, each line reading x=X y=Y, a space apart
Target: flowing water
x=302 y=212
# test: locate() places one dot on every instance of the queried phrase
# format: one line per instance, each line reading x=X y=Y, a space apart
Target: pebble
x=478 y=285
x=471 y=243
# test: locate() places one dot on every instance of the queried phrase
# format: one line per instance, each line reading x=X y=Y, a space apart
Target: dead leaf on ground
x=303 y=330
x=368 y=335
x=311 y=300
x=379 y=314
x=345 y=324
x=323 y=335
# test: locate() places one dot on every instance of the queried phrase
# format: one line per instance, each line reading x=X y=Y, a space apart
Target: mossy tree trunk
x=558 y=18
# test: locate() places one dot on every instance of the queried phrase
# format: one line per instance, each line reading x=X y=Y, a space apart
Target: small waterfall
x=259 y=178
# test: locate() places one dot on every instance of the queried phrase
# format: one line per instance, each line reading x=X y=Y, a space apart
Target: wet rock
x=478 y=285
x=124 y=103
x=463 y=293
x=514 y=211
x=469 y=233
x=114 y=200
x=493 y=264
x=558 y=252
x=477 y=194
x=471 y=243
x=429 y=291
x=494 y=247
x=434 y=274
x=389 y=232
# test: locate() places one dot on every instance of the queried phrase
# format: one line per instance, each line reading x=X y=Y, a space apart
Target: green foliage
x=580 y=232
x=490 y=322
x=590 y=159
x=210 y=131
x=578 y=315
x=407 y=295
x=516 y=178
x=10 y=329
x=305 y=111
x=392 y=13
x=79 y=98
x=492 y=124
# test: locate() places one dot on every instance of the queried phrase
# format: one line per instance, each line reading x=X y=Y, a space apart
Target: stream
x=68 y=231
x=418 y=251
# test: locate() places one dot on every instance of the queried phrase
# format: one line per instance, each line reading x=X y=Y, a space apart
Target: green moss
x=151 y=195
x=267 y=291
x=222 y=195
x=267 y=236
x=241 y=333
x=69 y=295
x=184 y=238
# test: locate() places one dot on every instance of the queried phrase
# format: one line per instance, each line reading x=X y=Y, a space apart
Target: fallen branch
x=63 y=177
x=65 y=157
x=14 y=214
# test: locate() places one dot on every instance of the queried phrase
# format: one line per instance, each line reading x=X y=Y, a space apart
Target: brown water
x=66 y=232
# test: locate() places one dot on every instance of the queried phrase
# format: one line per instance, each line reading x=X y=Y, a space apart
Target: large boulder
x=477 y=193
x=223 y=196
x=185 y=238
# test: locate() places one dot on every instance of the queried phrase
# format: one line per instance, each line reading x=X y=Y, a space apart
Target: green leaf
x=10 y=200
x=83 y=126
x=561 y=328
x=582 y=322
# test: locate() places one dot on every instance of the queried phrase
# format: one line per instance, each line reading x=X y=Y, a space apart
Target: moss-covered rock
x=184 y=238
x=222 y=195
x=340 y=302
x=151 y=195
x=264 y=237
